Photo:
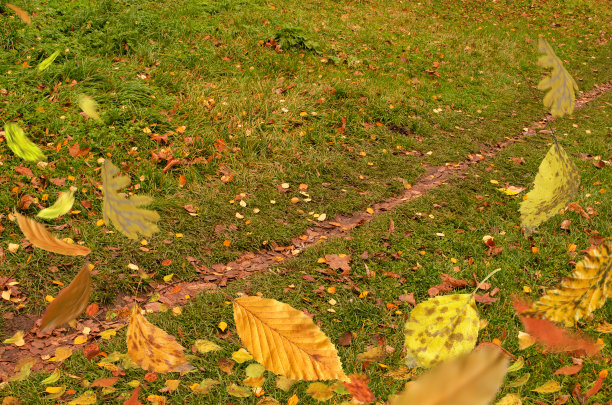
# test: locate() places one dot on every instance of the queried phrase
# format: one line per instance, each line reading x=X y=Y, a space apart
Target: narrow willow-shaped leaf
x=586 y=290
x=441 y=328
x=47 y=62
x=561 y=97
x=20 y=144
x=125 y=214
x=61 y=206
x=25 y=17
x=70 y=302
x=41 y=238
x=286 y=341
x=472 y=379
x=554 y=187
x=89 y=107
x=152 y=348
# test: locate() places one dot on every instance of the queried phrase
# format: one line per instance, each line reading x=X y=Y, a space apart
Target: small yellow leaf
x=16 y=339
x=89 y=107
x=284 y=383
x=293 y=400
x=203 y=387
x=55 y=392
x=319 y=391
x=172 y=384
x=205 y=346
x=168 y=277
x=519 y=382
x=79 y=340
x=47 y=62
x=525 y=340
x=238 y=391
x=517 y=365
x=107 y=334
x=60 y=207
x=254 y=370
x=87 y=398
x=548 y=387
x=241 y=356
x=61 y=354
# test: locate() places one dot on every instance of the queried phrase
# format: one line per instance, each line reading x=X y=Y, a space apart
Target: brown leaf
x=447 y=285
x=70 y=302
x=485 y=298
x=41 y=238
x=409 y=298
x=226 y=365
x=377 y=353
x=336 y=262
x=20 y=13
x=90 y=351
x=24 y=171
x=566 y=224
x=346 y=338
x=570 y=370
x=105 y=382
x=358 y=388
x=597 y=240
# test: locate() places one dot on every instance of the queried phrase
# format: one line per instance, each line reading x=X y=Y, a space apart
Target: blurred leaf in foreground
x=61 y=206
x=561 y=97
x=21 y=145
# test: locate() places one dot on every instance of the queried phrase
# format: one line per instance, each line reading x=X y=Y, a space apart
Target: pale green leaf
x=89 y=107
x=20 y=144
x=239 y=391
x=47 y=62
x=554 y=187
x=254 y=370
x=55 y=375
x=61 y=206
x=561 y=97
x=124 y=213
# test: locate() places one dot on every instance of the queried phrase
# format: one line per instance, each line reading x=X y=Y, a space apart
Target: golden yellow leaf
x=152 y=348
x=293 y=400
x=16 y=339
x=124 y=213
x=41 y=238
x=561 y=97
x=69 y=303
x=525 y=340
x=86 y=398
x=172 y=385
x=519 y=382
x=156 y=399
x=548 y=387
x=238 y=391
x=554 y=187
x=254 y=370
x=319 y=391
x=472 y=379
x=284 y=383
x=204 y=346
x=61 y=354
x=441 y=328
x=47 y=62
x=89 y=107
x=61 y=206
x=510 y=399
x=55 y=392
x=241 y=356
x=21 y=145
x=286 y=341
x=20 y=13
x=203 y=387
x=586 y=290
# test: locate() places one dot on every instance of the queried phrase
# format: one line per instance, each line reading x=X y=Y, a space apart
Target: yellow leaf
x=107 y=334
x=510 y=399
x=55 y=375
x=319 y=391
x=87 y=398
x=21 y=145
x=203 y=387
x=89 y=107
x=238 y=391
x=519 y=382
x=47 y=62
x=554 y=187
x=41 y=238
x=156 y=399
x=79 y=340
x=254 y=370
x=69 y=303
x=525 y=340
x=124 y=213
x=61 y=354
x=152 y=348
x=441 y=328
x=222 y=325
x=60 y=207
x=561 y=97
x=548 y=387
x=472 y=379
x=254 y=382
x=284 y=383
x=55 y=392
x=286 y=341
x=293 y=400
x=20 y=13
x=16 y=339
x=205 y=346
x=172 y=384
x=517 y=365
x=241 y=356
x=586 y=290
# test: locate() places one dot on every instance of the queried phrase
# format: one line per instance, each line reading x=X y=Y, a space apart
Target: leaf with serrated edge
x=286 y=341
x=554 y=187
x=89 y=107
x=152 y=348
x=124 y=213
x=47 y=62
x=561 y=97
x=472 y=379
x=586 y=290
x=70 y=302
x=62 y=205
x=25 y=17
x=38 y=235
x=21 y=145
x=441 y=328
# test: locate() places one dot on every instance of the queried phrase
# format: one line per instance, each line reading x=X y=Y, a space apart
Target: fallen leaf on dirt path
x=89 y=107
x=580 y=294
x=285 y=340
x=21 y=145
x=554 y=187
x=41 y=238
x=561 y=97
x=61 y=354
x=471 y=379
x=70 y=301
x=48 y=61
x=441 y=328
x=152 y=348
x=319 y=391
x=548 y=387
x=570 y=370
x=358 y=388
x=16 y=339
x=61 y=206
x=20 y=13
x=124 y=213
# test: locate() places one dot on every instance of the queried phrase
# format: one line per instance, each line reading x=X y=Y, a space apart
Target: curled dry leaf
x=286 y=341
x=471 y=379
x=152 y=348
x=70 y=302
x=41 y=238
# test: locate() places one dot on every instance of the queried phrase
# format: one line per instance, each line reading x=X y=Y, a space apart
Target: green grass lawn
x=357 y=99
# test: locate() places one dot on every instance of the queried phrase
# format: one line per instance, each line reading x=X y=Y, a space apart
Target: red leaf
x=24 y=171
x=570 y=370
x=600 y=379
x=91 y=351
x=104 y=382
x=150 y=377
x=92 y=309
x=133 y=400
x=358 y=388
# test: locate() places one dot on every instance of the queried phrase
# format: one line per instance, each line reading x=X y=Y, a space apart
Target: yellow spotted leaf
x=61 y=206
x=152 y=348
x=47 y=62
x=21 y=145
x=38 y=235
x=319 y=391
x=25 y=17
x=561 y=97
x=89 y=107
x=555 y=185
x=586 y=290
x=472 y=379
x=124 y=213
x=70 y=302
x=441 y=328
x=286 y=341
x=548 y=387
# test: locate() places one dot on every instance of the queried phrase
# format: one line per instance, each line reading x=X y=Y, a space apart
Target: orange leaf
x=20 y=13
x=41 y=238
x=133 y=400
x=358 y=388
x=104 y=382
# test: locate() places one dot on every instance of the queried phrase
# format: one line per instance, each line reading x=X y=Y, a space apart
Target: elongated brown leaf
x=285 y=340
x=70 y=302
x=38 y=235
x=472 y=379
x=152 y=348
x=25 y=17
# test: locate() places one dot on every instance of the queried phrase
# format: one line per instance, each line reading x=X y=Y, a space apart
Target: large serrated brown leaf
x=70 y=302
x=285 y=340
x=38 y=235
x=152 y=348
x=472 y=379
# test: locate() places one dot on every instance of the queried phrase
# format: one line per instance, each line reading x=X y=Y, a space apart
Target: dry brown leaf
x=285 y=340
x=41 y=238
x=152 y=348
x=25 y=17
x=70 y=302
x=472 y=379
